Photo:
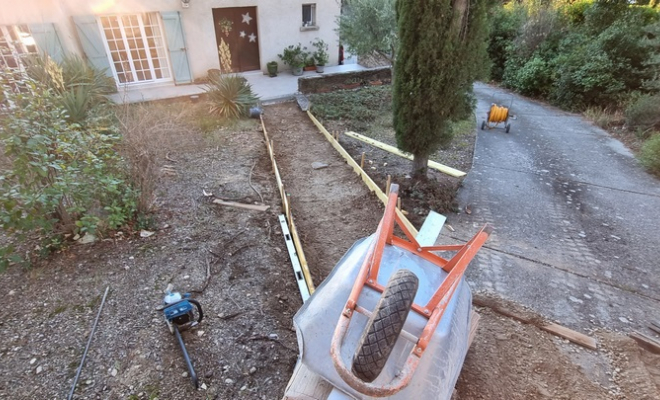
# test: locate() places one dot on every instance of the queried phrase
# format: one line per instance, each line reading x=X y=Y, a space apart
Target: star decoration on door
x=253 y=37
x=246 y=18
x=242 y=34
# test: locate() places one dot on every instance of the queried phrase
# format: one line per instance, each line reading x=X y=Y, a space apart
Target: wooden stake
x=362 y=162
x=387 y=185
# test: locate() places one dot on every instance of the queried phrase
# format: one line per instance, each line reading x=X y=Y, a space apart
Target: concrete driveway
x=576 y=218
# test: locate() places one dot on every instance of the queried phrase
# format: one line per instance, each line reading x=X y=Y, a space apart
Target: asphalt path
x=575 y=215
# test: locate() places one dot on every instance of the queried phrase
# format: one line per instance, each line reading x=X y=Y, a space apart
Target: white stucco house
x=147 y=42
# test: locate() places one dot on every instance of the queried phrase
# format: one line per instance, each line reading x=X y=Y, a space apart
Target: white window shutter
x=91 y=41
x=47 y=40
x=176 y=44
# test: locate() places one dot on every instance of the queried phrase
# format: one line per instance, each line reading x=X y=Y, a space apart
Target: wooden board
x=256 y=207
x=474 y=324
x=646 y=342
x=573 y=336
x=306 y=385
x=555 y=329
x=383 y=146
x=287 y=212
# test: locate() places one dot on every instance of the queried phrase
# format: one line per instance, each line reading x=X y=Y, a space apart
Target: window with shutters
x=16 y=43
x=136 y=48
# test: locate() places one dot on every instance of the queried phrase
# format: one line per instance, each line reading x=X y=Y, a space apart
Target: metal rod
x=193 y=375
x=89 y=341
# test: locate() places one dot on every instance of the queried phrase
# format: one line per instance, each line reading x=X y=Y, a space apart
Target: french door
x=16 y=42
x=136 y=48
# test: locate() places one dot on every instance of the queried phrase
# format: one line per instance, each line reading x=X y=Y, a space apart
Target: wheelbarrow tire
x=385 y=325
x=507 y=128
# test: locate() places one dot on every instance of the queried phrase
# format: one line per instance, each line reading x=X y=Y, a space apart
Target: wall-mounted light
x=185 y=3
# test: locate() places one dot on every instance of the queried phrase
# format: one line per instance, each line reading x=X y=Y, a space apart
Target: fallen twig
x=250 y=183
x=230 y=316
x=208 y=277
x=89 y=342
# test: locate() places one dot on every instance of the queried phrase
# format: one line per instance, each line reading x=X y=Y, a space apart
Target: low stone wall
x=323 y=83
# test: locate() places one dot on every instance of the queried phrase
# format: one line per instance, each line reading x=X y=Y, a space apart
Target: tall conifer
x=442 y=50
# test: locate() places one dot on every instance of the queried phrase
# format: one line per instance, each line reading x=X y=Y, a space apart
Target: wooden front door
x=236 y=38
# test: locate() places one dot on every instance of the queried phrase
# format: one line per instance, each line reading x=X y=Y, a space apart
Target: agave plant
x=230 y=96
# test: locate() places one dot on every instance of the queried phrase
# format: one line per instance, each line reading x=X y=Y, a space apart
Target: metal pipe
x=193 y=376
x=89 y=341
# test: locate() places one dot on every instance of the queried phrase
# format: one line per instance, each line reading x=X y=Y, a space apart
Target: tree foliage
x=577 y=54
x=368 y=26
x=442 y=50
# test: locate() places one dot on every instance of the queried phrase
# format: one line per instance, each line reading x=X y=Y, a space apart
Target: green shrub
x=643 y=113
x=359 y=108
x=649 y=155
x=61 y=178
x=230 y=96
x=534 y=78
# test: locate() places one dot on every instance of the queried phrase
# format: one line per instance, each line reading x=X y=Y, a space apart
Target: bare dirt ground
x=246 y=348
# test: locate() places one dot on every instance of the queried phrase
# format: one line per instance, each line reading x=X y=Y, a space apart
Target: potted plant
x=321 y=54
x=272 y=68
x=294 y=56
x=310 y=64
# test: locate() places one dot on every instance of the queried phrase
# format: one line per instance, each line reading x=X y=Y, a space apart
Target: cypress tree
x=442 y=50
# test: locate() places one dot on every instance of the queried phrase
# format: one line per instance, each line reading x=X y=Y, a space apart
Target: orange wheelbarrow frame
x=433 y=310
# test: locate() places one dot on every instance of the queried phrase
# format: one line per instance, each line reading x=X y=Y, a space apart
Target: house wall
x=279 y=23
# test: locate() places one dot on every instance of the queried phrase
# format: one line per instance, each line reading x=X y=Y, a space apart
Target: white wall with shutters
x=279 y=24
x=48 y=41
x=91 y=41
x=176 y=45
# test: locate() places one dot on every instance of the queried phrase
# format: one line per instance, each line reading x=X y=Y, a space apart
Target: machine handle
x=199 y=310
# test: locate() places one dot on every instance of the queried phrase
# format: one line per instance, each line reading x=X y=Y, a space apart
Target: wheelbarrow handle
x=398 y=383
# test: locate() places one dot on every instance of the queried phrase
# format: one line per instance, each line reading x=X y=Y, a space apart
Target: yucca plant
x=230 y=96
x=79 y=86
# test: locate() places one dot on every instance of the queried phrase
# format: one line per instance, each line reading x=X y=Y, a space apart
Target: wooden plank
x=306 y=385
x=256 y=207
x=646 y=342
x=654 y=328
x=301 y=256
x=474 y=324
x=286 y=207
x=573 y=336
x=555 y=329
x=365 y=177
x=384 y=146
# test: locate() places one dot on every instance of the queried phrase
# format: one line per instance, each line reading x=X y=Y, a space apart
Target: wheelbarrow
x=496 y=115
x=392 y=319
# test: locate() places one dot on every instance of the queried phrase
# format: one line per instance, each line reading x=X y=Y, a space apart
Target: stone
x=319 y=165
